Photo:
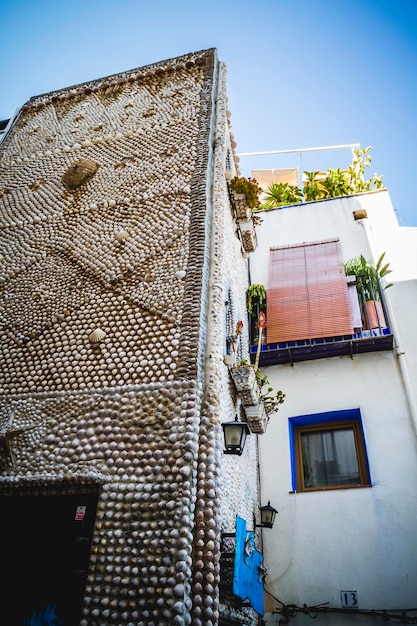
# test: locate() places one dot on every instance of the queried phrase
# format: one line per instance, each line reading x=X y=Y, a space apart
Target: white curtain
x=329 y=458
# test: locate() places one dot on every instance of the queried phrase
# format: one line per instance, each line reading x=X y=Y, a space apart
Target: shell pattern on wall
x=103 y=244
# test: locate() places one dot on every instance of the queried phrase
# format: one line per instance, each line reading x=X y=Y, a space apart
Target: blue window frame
x=328 y=451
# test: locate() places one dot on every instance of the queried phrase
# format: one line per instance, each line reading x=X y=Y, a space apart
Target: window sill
x=338 y=487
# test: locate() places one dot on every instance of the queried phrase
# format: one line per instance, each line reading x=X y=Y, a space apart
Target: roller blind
x=307 y=294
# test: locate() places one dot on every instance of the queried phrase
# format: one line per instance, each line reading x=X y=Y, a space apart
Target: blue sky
x=302 y=73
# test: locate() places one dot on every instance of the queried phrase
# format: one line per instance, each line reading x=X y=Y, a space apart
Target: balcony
x=309 y=349
x=369 y=336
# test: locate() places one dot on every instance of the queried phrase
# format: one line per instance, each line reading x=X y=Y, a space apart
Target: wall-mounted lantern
x=235 y=434
x=268 y=514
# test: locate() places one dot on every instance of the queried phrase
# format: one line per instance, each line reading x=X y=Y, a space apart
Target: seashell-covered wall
x=119 y=264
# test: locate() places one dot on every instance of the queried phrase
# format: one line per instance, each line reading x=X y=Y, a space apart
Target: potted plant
x=368 y=276
x=246 y=192
x=255 y=304
x=258 y=415
x=245 y=197
x=250 y=382
x=255 y=299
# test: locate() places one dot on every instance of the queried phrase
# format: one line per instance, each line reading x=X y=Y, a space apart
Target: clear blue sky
x=301 y=73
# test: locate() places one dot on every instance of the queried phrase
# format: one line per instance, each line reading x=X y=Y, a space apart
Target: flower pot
x=246 y=384
x=243 y=212
x=248 y=234
x=373 y=315
x=257 y=418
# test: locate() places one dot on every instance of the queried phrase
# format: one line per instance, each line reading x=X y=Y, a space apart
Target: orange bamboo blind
x=307 y=294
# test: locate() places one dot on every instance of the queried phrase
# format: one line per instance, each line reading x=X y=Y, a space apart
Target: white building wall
x=360 y=539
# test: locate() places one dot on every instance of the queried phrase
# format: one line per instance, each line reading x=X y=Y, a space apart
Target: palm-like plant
x=281 y=194
x=312 y=190
x=368 y=275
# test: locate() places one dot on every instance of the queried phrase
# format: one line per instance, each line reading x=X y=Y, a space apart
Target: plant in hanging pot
x=255 y=299
x=245 y=194
x=250 y=383
x=247 y=187
x=256 y=304
x=256 y=418
x=368 y=276
x=258 y=415
x=271 y=400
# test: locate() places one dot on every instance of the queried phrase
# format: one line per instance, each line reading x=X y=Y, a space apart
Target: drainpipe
x=399 y=350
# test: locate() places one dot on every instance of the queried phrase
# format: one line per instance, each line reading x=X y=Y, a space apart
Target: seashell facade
x=122 y=277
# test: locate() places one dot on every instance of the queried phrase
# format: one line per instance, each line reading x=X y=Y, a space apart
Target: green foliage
x=272 y=402
x=356 y=171
x=255 y=295
x=368 y=274
x=336 y=184
x=376 y=181
x=270 y=399
x=312 y=190
x=281 y=194
x=249 y=187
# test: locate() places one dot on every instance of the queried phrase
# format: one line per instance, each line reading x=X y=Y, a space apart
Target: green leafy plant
x=312 y=189
x=281 y=194
x=271 y=399
x=249 y=187
x=356 y=172
x=368 y=275
x=341 y=183
x=376 y=181
x=336 y=184
x=255 y=297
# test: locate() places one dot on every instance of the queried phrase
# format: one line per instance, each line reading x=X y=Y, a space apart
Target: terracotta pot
x=373 y=315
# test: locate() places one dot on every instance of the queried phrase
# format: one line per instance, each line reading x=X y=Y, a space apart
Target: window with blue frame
x=328 y=451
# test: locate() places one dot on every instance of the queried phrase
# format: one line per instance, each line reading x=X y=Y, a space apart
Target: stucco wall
x=352 y=539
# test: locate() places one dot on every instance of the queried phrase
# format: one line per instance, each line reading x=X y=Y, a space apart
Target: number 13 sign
x=350 y=600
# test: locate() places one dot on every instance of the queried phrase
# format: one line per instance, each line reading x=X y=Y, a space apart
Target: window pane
x=329 y=458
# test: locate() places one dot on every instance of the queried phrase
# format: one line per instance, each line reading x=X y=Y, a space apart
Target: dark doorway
x=45 y=552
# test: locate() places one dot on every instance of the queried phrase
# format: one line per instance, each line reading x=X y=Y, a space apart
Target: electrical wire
x=396 y=616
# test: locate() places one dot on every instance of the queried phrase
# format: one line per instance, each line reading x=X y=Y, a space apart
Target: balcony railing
x=372 y=334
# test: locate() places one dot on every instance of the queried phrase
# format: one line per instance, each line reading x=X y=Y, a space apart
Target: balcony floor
x=309 y=349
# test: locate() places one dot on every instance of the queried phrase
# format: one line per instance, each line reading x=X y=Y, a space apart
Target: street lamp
x=268 y=514
x=235 y=434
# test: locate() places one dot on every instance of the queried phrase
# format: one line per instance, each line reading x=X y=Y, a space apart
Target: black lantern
x=235 y=434
x=268 y=514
